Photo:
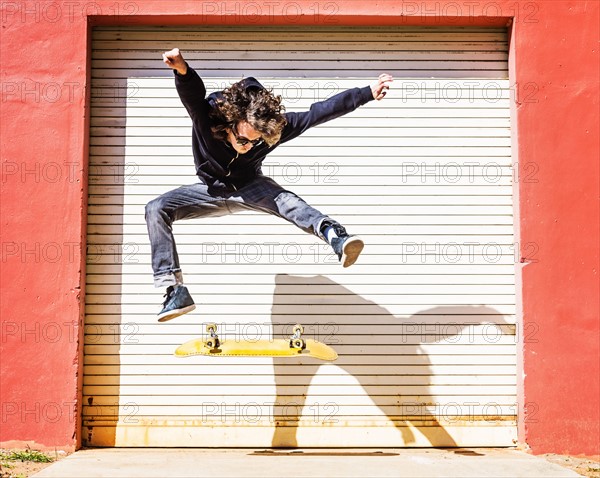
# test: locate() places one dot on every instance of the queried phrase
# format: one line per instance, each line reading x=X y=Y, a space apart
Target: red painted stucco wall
x=44 y=58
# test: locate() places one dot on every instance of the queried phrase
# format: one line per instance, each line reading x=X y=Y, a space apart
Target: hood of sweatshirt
x=248 y=84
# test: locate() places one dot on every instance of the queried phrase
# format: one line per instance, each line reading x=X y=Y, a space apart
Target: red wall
x=44 y=54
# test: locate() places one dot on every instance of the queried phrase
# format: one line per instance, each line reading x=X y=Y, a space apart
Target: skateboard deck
x=295 y=346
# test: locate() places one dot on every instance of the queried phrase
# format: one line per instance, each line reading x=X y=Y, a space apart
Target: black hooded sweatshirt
x=217 y=163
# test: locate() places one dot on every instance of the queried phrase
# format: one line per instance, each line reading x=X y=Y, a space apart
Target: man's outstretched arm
x=190 y=86
x=334 y=107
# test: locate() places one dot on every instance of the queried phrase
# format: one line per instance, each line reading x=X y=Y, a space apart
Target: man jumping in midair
x=233 y=131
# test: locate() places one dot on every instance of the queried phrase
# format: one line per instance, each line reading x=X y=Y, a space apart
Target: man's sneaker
x=347 y=247
x=178 y=302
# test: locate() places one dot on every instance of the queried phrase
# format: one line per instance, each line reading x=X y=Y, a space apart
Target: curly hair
x=260 y=108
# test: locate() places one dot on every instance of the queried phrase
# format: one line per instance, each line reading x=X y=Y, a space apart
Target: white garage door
x=423 y=323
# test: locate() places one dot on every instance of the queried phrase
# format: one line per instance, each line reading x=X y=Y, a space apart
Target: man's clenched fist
x=173 y=59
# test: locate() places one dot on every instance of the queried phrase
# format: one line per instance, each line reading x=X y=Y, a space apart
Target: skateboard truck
x=296 y=340
x=213 y=341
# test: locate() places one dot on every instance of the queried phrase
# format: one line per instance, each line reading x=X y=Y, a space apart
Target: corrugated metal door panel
x=424 y=323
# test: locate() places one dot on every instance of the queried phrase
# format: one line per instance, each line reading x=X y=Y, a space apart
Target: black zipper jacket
x=217 y=163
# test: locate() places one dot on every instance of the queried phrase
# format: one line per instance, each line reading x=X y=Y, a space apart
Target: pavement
x=300 y=463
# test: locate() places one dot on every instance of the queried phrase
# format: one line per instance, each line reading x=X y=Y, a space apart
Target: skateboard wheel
x=298 y=344
x=298 y=329
x=213 y=343
x=211 y=327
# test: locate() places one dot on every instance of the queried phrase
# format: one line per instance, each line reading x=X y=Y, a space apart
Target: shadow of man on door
x=348 y=321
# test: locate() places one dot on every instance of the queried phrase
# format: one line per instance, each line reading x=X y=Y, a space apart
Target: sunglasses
x=242 y=141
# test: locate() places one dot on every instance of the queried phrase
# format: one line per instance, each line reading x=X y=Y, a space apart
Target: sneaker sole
x=175 y=313
x=352 y=249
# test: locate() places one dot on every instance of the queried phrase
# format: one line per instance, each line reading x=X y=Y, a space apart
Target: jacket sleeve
x=192 y=92
x=323 y=111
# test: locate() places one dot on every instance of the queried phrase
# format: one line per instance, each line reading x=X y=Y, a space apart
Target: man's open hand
x=380 y=88
x=173 y=59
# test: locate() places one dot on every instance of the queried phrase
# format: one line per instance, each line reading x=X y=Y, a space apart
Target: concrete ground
x=313 y=463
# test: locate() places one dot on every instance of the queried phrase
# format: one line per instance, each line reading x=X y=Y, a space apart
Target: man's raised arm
x=190 y=86
x=334 y=107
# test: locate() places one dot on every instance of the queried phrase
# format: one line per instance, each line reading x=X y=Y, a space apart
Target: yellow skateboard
x=295 y=346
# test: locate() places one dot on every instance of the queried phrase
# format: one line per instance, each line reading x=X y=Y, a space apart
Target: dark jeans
x=199 y=200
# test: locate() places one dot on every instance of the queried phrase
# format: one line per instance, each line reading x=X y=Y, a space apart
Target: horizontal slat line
x=410 y=191
x=339 y=54
x=411 y=106
x=389 y=43
x=432 y=350
x=104 y=270
x=104 y=48
x=324 y=33
x=116 y=287
x=451 y=364
x=442 y=367
x=104 y=211
x=457 y=405
x=369 y=278
x=138 y=42
x=449 y=173
x=508 y=350
x=286 y=373
x=501 y=319
x=477 y=351
x=414 y=62
x=416 y=109
x=103 y=373
x=313 y=64
x=150 y=49
x=114 y=140
x=271 y=30
x=322 y=266
x=336 y=335
x=108 y=48
x=380 y=389
x=301 y=296
x=488 y=66
x=287 y=309
x=132 y=219
x=213 y=43
x=264 y=31
x=99 y=380
x=220 y=278
x=134 y=29
x=423 y=43
x=135 y=338
x=298 y=292
x=423 y=113
x=502 y=415
x=343 y=53
x=411 y=200
x=469 y=74
x=391 y=400
x=105 y=59
x=433 y=274
x=138 y=398
x=465 y=317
